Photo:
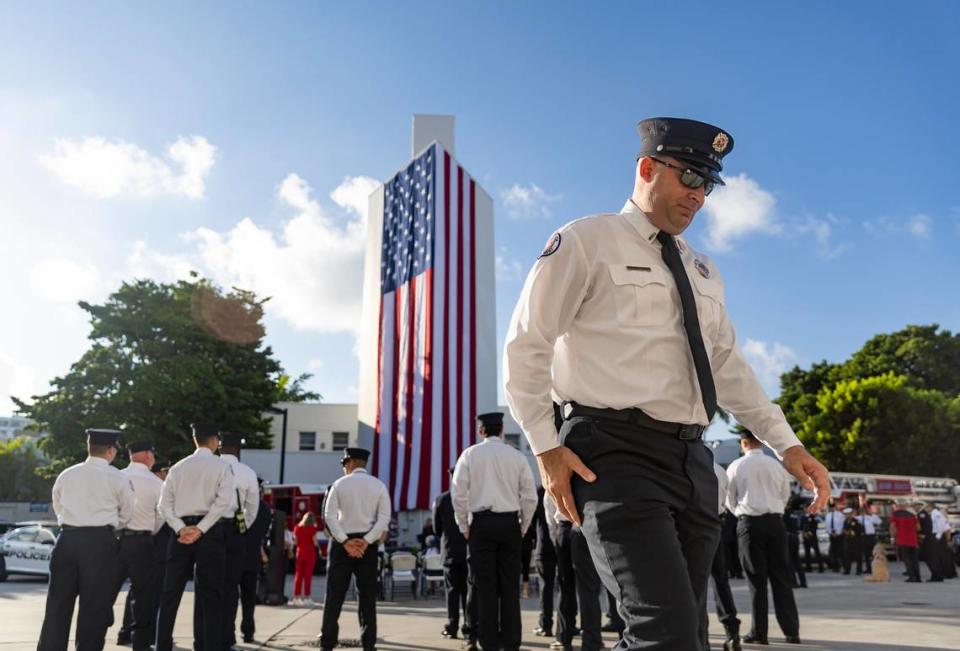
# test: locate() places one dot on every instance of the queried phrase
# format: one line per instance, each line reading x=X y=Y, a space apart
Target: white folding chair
x=403 y=567
x=432 y=573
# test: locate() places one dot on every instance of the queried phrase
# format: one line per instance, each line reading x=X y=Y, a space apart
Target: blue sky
x=840 y=221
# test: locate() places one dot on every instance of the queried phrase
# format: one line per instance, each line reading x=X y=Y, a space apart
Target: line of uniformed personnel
x=157 y=526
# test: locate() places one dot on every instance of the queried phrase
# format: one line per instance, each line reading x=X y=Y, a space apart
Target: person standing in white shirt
x=196 y=502
x=357 y=513
x=869 y=521
x=722 y=595
x=757 y=495
x=138 y=560
x=92 y=501
x=834 y=526
x=494 y=499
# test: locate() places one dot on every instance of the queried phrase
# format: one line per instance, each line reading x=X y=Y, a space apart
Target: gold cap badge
x=720 y=142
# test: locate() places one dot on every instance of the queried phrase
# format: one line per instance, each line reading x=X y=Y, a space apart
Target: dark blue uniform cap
x=140 y=446
x=160 y=465
x=700 y=145
x=354 y=453
x=204 y=431
x=103 y=436
x=492 y=419
x=231 y=439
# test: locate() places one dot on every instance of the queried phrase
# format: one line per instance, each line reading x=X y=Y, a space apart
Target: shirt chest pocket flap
x=642 y=293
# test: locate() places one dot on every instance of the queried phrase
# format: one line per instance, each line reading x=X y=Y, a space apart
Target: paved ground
x=836 y=612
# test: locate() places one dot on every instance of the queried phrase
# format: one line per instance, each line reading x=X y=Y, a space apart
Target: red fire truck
x=295 y=500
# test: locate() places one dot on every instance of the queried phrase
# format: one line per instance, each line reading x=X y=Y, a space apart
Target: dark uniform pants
x=84 y=564
x=494 y=542
x=853 y=553
x=763 y=553
x=546 y=562
x=836 y=551
x=340 y=568
x=909 y=557
x=248 y=600
x=234 y=550
x=588 y=592
x=138 y=562
x=722 y=595
x=796 y=567
x=811 y=551
x=560 y=536
x=455 y=586
x=869 y=540
x=650 y=519
x=204 y=561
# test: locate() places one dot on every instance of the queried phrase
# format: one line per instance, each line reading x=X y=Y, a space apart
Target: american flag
x=426 y=394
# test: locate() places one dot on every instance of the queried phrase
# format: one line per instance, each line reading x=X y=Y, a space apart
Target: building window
x=308 y=441
x=512 y=439
x=341 y=440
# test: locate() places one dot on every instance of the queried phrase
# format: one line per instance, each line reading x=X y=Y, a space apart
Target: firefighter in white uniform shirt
x=622 y=327
x=357 y=513
x=138 y=559
x=494 y=498
x=92 y=501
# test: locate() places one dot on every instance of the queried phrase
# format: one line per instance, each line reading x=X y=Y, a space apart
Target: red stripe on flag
x=395 y=370
x=473 y=313
x=410 y=387
x=460 y=270
x=445 y=479
x=378 y=425
x=426 y=437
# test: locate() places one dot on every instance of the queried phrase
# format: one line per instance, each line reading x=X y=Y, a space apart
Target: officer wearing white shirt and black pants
x=869 y=521
x=246 y=497
x=834 y=526
x=357 y=514
x=494 y=499
x=138 y=559
x=723 y=596
x=92 y=501
x=196 y=502
x=624 y=325
x=757 y=495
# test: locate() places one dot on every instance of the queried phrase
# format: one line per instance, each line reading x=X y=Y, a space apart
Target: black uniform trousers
x=722 y=595
x=650 y=519
x=869 y=540
x=763 y=554
x=159 y=543
x=796 y=567
x=137 y=560
x=205 y=562
x=546 y=563
x=853 y=553
x=341 y=566
x=495 y=540
x=84 y=564
x=455 y=577
x=909 y=557
x=811 y=551
x=929 y=553
x=249 y=579
x=836 y=551
x=588 y=592
x=234 y=548
x=561 y=535
x=728 y=540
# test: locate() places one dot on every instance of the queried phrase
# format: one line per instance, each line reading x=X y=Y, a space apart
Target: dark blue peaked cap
x=698 y=144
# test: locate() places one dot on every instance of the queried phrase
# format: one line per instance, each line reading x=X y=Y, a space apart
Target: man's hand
x=811 y=474
x=355 y=547
x=556 y=468
x=189 y=535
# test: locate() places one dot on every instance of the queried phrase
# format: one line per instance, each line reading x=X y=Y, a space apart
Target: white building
x=13 y=426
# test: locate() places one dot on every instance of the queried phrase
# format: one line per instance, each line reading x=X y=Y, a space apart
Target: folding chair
x=432 y=573
x=403 y=567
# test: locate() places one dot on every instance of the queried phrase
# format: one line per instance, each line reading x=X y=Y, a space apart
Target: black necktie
x=691 y=322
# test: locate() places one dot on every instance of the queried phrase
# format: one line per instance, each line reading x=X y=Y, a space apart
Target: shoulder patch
x=701 y=267
x=551 y=246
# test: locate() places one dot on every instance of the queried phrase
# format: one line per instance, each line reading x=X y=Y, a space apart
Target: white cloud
x=738 y=209
x=769 y=361
x=16 y=379
x=528 y=202
x=62 y=280
x=822 y=231
x=106 y=169
x=315 y=365
x=353 y=194
x=920 y=226
x=507 y=268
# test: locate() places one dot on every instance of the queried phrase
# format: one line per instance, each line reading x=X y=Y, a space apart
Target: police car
x=27 y=549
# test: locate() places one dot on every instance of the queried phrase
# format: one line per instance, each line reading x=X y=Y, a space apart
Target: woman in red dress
x=306 y=536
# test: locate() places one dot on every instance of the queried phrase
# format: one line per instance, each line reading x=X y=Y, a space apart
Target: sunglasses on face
x=690 y=178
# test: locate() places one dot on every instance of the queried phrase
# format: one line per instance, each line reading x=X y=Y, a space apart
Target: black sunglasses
x=689 y=177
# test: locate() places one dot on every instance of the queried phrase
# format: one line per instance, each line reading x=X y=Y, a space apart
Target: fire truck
x=295 y=500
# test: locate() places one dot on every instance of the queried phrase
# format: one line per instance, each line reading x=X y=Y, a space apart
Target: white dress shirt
x=201 y=484
x=492 y=476
x=939 y=524
x=244 y=482
x=834 y=523
x=869 y=522
x=357 y=503
x=758 y=485
x=599 y=322
x=146 y=487
x=723 y=483
x=93 y=494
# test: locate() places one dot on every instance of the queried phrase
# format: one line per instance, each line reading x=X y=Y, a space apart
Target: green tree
x=19 y=461
x=161 y=357
x=884 y=424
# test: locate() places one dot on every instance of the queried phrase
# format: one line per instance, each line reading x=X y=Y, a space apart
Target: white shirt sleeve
x=55 y=497
x=166 y=506
x=383 y=517
x=223 y=502
x=251 y=502
x=127 y=499
x=551 y=296
x=331 y=516
x=528 y=496
x=460 y=493
x=732 y=496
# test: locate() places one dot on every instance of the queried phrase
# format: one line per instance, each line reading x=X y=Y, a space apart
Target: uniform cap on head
x=160 y=465
x=747 y=435
x=232 y=439
x=354 y=453
x=140 y=446
x=204 y=430
x=491 y=419
x=103 y=436
x=700 y=145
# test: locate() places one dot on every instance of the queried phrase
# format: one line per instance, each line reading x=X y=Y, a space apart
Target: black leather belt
x=135 y=532
x=763 y=515
x=71 y=527
x=489 y=513
x=193 y=520
x=634 y=416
